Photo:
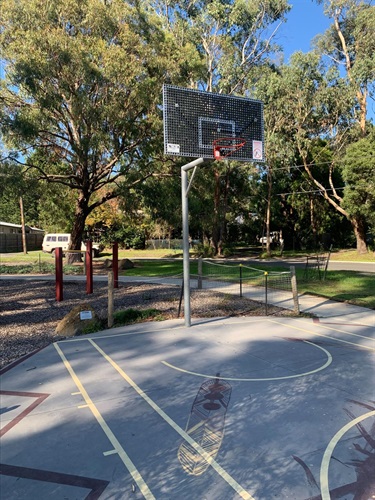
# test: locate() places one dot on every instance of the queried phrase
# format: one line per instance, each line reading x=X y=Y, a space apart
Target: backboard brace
x=201 y=124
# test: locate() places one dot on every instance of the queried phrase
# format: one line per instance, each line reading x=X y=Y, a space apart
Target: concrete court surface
x=256 y=408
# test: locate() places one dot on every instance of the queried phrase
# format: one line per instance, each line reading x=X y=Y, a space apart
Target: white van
x=62 y=240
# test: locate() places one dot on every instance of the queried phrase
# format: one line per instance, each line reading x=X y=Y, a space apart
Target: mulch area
x=29 y=312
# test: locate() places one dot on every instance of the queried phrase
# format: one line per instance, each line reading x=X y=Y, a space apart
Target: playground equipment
x=88 y=255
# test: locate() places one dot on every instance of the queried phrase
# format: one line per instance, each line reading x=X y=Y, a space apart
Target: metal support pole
x=89 y=271
x=185 y=236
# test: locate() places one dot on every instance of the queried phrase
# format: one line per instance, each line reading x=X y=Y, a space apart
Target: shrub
x=129 y=316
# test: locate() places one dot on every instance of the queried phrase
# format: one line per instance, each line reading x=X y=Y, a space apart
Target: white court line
x=296 y=375
x=103 y=424
x=343 y=331
x=321 y=335
x=222 y=472
x=324 y=486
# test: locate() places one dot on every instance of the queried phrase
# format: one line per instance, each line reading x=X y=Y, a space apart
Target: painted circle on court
x=269 y=379
x=324 y=484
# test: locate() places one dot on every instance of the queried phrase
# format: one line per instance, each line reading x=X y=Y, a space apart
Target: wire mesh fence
x=270 y=288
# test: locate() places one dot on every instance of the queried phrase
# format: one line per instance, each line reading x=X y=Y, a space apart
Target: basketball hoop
x=226 y=146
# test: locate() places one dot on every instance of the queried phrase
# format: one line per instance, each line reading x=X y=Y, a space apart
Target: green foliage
x=27 y=269
x=205 y=251
x=231 y=37
x=37 y=268
x=359 y=175
x=130 y=316
x=82 y=92
x=14 y=183
x=92 y=327
x=349 y=44
x=127 y=236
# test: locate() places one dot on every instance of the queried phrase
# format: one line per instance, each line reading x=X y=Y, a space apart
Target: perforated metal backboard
x=193 y=120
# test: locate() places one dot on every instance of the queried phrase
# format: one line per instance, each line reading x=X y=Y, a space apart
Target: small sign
x=257 y=150
x=85 y=315
x=173 y=148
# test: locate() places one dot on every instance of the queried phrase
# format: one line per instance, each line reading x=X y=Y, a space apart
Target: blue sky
x=305 y=20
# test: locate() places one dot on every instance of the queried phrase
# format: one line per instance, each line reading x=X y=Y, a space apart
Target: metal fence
x=270 y=288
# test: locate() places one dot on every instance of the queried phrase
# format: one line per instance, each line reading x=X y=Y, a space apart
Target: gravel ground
x=29 y=313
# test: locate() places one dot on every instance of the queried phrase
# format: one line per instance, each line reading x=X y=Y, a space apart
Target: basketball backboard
x=194 y=120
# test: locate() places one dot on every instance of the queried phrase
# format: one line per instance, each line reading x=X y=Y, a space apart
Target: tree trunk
x=81 y=214
x=360 y=234
x=357 y=224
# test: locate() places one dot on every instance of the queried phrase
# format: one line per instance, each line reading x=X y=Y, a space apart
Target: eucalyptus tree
x=349 y=43
x=317 y=109
x=80 y=102
x=233 y=37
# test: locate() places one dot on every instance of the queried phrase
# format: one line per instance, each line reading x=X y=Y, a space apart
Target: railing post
x=200 y=266
x=115 y=264
x=59 y=274
x=294 y=289
x=110 y=298
x=241 y=280
x=89 y=274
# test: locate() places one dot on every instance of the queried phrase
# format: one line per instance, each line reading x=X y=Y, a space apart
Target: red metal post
x=59 y=274
x=115 y=264
x=88 y=261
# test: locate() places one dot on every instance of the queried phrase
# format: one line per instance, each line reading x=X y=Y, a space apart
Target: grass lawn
x=343 y=286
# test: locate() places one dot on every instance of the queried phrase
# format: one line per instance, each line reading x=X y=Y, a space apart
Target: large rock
x=125 y=264
x=75 y=323
x=122 y=264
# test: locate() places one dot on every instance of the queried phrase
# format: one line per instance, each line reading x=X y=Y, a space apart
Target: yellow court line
x=103 y=424
x=222 y=472
x=341 y=331
x=324 y=486
x=321 y=335
x=268 y=379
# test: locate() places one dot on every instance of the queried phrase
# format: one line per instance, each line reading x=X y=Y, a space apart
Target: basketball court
x=253 y=408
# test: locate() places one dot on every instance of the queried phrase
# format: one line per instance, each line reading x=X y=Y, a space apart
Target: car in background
x=274 y=238
x=51 y=241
